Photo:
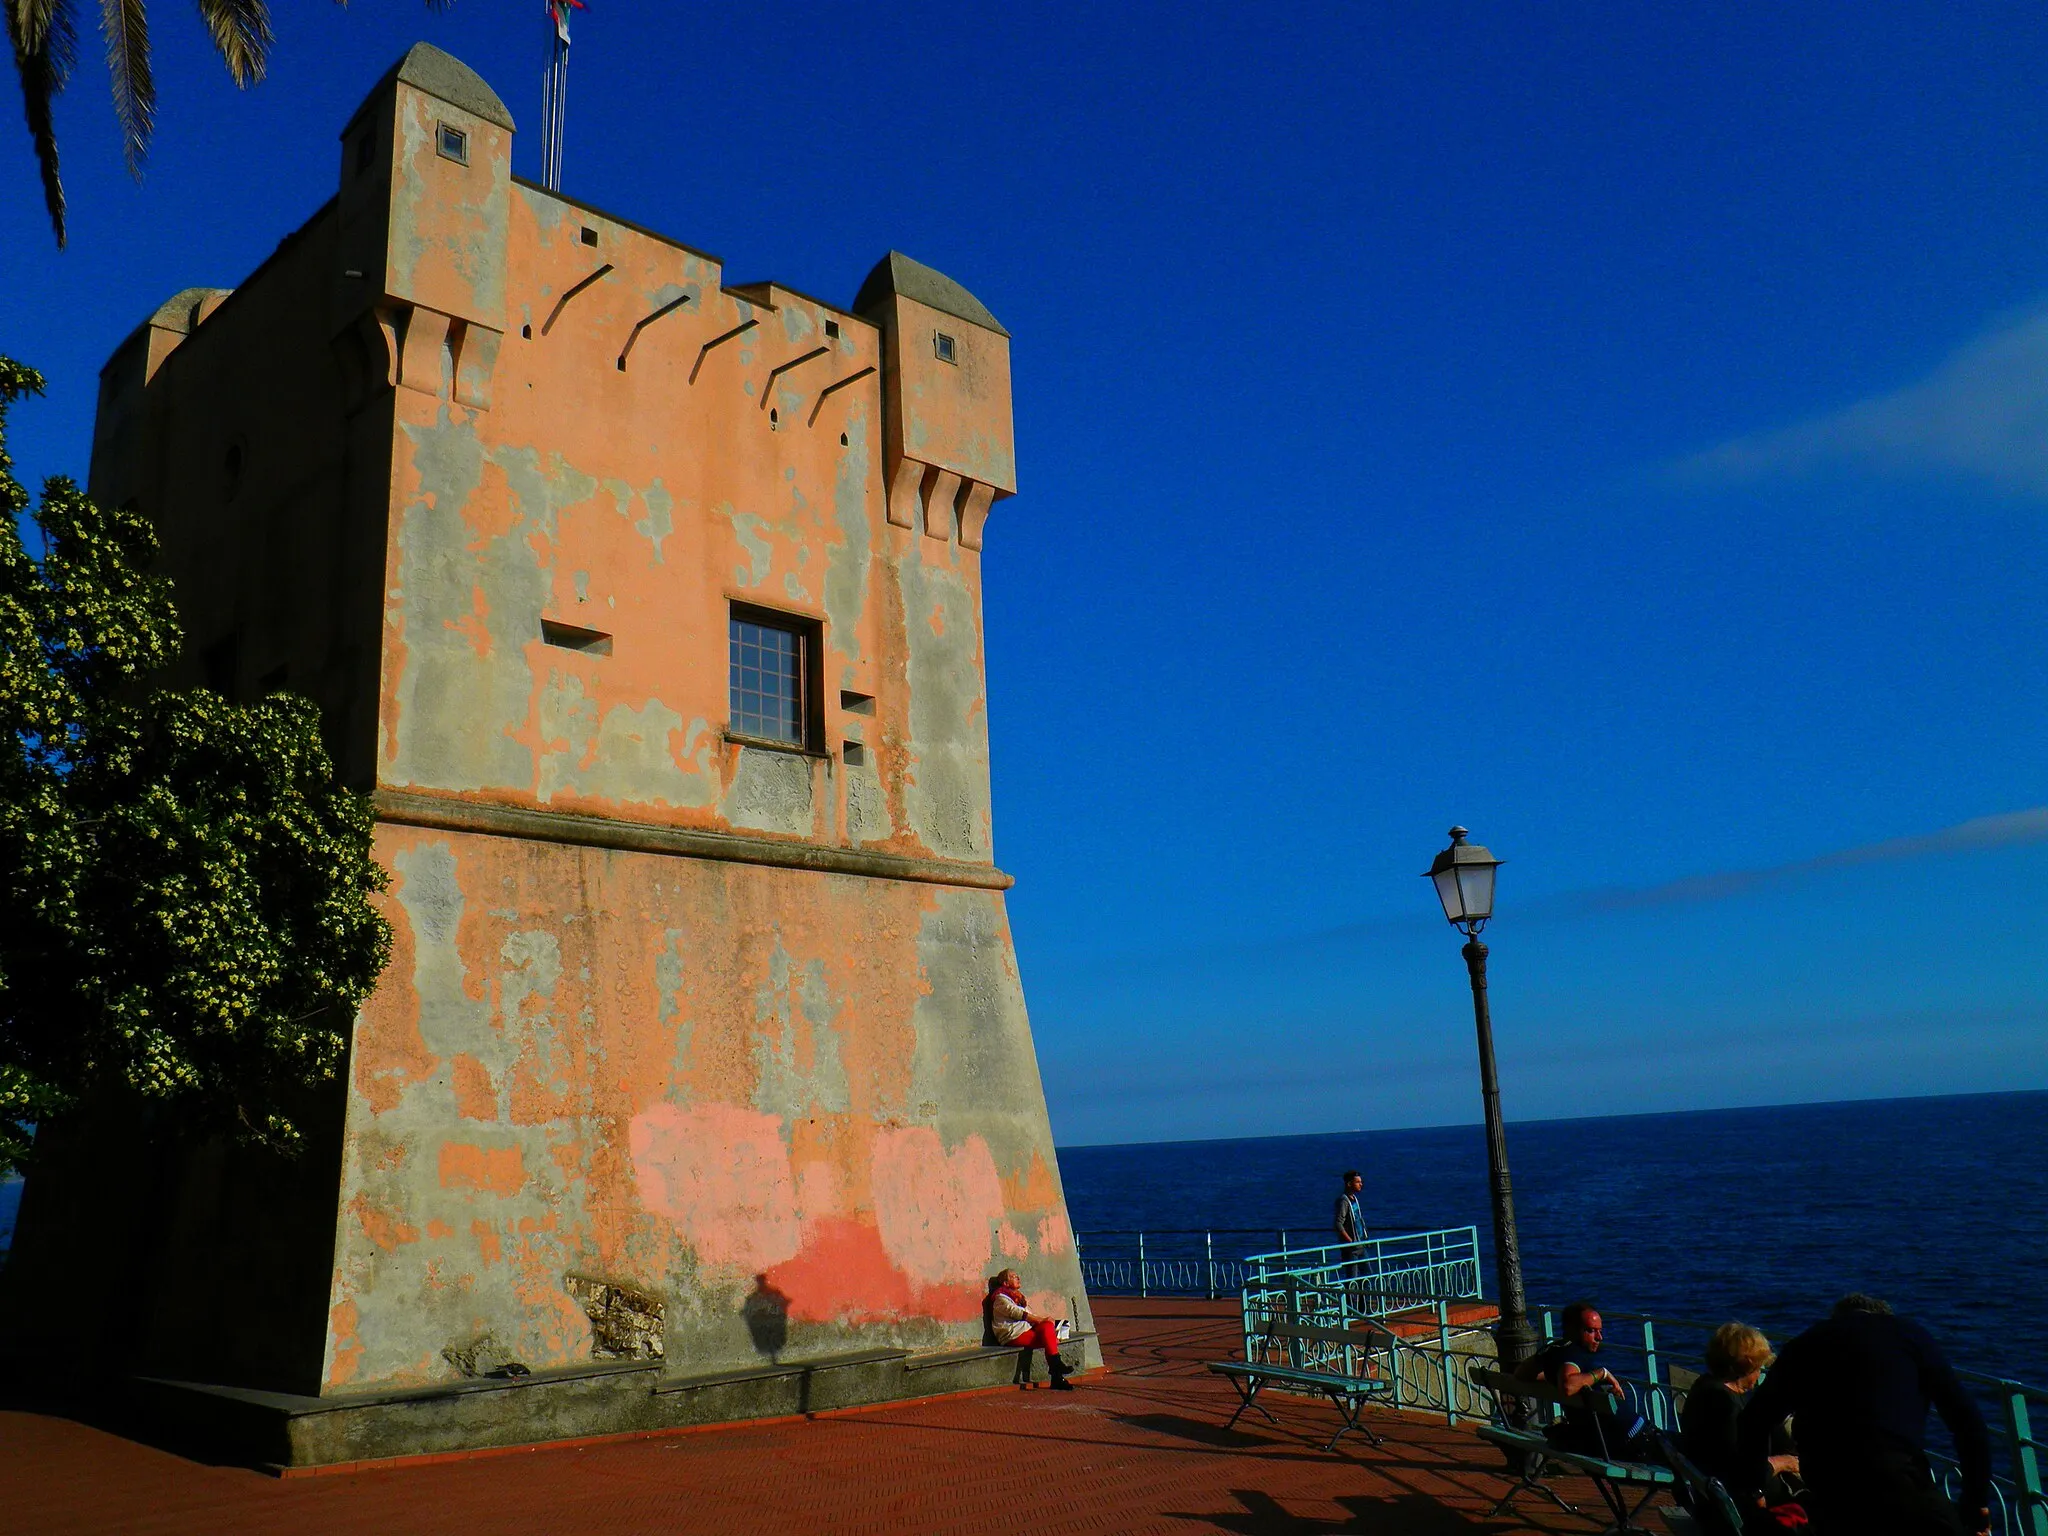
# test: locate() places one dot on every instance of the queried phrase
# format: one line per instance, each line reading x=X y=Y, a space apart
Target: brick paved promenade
x=1136 y=1449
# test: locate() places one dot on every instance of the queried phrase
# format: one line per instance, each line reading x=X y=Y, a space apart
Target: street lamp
x=1463 y=874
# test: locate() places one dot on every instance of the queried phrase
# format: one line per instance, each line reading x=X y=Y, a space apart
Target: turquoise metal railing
x=1180 y=1261
x=1210 y=1261
x=1407 y=1283
x=1424 y=1266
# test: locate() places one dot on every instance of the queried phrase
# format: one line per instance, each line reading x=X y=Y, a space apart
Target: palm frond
x=44 y=34
x=241 y=31
x=126 y=26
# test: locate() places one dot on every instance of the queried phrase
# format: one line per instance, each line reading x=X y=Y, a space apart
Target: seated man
x=1598 y=1417
x=1859 y=1386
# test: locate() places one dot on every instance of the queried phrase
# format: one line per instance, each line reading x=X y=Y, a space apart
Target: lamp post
x=1463 y=874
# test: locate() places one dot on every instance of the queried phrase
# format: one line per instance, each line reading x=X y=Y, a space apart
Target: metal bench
x=1533 y=1457
x=1350 y=1366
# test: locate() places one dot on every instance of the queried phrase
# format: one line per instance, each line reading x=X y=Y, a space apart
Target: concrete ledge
x=288 y=1432
x=449 y=814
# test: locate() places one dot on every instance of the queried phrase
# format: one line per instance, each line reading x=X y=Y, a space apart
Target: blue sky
x=1622 y=429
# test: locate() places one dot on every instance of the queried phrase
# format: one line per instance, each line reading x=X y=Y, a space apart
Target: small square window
x=832 y=329
x=589 y=235
x=773 y=670
x=452 y=144
x=943 y=345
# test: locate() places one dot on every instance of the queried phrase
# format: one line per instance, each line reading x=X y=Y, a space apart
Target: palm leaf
x=241 y=31
x=44 y=34
x=126 y=25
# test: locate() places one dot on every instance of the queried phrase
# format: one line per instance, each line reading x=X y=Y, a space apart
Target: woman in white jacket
x=1011 y=1322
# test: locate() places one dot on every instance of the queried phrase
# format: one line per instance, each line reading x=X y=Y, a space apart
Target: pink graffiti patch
x=937 y=1210
x=843 y=1276
x=721 y=1175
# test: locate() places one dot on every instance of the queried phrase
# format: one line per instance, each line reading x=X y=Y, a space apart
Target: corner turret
x=426 y=183
x=950 y=451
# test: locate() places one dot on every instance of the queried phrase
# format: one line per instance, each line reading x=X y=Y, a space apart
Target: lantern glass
x=1448 y=893
x=1475 y=889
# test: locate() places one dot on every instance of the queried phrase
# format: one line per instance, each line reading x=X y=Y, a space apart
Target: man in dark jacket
x=1859 y=1386
x=1349 y=1219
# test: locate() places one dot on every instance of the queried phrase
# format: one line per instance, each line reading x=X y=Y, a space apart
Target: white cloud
x=1983 y=411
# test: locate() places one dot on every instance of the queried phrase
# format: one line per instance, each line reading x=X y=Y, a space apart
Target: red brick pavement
x=1139 y=1448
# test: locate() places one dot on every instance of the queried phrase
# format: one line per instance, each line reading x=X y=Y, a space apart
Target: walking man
x=1860 y=1385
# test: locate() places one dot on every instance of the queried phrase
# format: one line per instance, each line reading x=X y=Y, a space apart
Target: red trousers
x=1041 y=1336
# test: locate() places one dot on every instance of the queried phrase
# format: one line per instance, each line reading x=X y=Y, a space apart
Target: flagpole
x=554 y=95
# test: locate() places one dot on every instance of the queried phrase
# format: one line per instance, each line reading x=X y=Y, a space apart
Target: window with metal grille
x=771 y=682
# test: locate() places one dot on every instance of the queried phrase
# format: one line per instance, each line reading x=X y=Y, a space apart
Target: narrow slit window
x=452 y=144
x=573 y=637
x=771 y=677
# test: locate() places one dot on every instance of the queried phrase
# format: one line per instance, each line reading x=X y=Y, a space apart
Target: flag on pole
x=555 y=93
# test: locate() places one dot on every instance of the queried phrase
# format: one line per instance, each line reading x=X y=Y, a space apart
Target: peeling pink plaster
x=721 y=1175
x=936 y=1209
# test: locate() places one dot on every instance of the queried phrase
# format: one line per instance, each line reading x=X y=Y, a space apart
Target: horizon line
x=1638 y=1114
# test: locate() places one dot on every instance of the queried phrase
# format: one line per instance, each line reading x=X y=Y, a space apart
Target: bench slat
x=1356 y=1386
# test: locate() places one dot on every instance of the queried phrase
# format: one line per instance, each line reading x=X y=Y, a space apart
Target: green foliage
x=183 y=883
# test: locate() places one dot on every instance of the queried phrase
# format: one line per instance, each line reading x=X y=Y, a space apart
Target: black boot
x=1057 y=1369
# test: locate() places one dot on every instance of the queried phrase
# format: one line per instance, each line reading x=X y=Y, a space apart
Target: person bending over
x=1859 y=1386
x=1011 y=1322
x=1736 y=1357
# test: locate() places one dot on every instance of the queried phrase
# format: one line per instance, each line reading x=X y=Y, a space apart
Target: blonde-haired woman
x=1737 y=1356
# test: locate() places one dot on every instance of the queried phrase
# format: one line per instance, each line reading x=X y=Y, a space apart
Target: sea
x=1938 y=1205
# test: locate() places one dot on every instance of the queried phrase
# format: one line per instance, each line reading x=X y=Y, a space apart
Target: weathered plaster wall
x=720 y=464
x=801 y=1109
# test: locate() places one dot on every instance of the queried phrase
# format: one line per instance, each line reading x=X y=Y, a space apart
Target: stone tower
x=648 y=608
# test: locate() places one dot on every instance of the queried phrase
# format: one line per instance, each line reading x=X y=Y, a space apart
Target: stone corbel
x=941 y=491
x=421 y=349
x=367 y=351
x=974 y=507
x=475 y=360
x=906 y=500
